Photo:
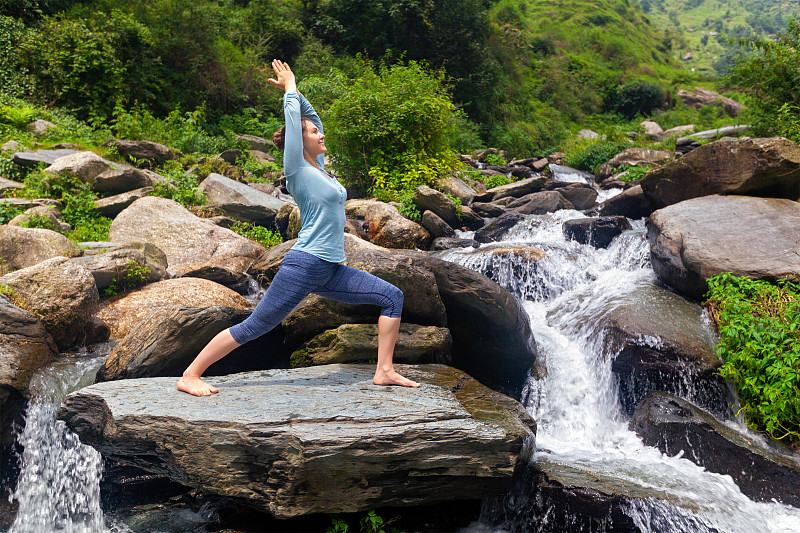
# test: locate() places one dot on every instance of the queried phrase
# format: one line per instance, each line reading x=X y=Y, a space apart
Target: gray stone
x=539 y=203
x=488 y=209
x=12 y=146
x=62 y=294
x=677 y=131
x=515 y=189
x=700 y=97
x=753 y=167
x=426 y=198
x=238 y=200
x=446 y=243
x=588 y=134
x=580 y=195
x=710 y=135
x=436 y=226
x=7 y=186
x=495 y=230
x=261 y=157
x=388 y=228
x=659 y=341
x=230 y=156
x=25 y=247
x=355 y=343
x=598 y=232
x=149 y=151
x=277 y=439
x=85 y=165
x=257 y=143
x=631 y=203
x=40 y=127
x=188 y=242
x=633 y=157
x=699 y=238
x=27 y=203
x=112 y=265
x=763 y=470
x=33 y=159
x=651 y=128
x=50 y=213
x=124 y=179
x=469 y=219
x=111 y=206
x=455 y=186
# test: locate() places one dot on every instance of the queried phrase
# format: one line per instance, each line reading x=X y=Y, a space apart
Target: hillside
x=699 y=27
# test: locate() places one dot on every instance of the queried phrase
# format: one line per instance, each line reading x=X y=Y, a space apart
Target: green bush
x=13 y=76
x=259 y=234
x=637 y=97
x=391 y=130
x=408 y=208
x=8 y=211
x=589 y=154
x=759 y=327
x=181 y=187
x=633 y=173
x=134 y=276
x=495 y=181
x=770 y=78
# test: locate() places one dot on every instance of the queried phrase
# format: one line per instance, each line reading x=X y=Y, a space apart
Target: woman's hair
x=279 y=137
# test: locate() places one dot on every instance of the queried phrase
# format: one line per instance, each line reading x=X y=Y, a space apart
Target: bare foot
x=196 y=386
x=392 y=378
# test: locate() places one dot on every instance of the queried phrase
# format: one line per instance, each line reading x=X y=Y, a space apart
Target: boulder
x=447 y=243
x=34 y=159
x=429 y=199
x=123 y=178
x=631 y=203
x=388 y=228
x=686 y=144
x=539 y=203
x=27 y=203
x=678 y=131
x=633 y=157
x=123 y=312
x=571 y=175
x=354 y=343
x=8 y=186
x=763 y=470
x=149 y=151
x=514 y=268
x=597 y=232
x=492 y=339
x=515 y=189
x=40 y=127
x=581 y=196
x=487 y=209
x=587 y=134
x=700 y=97
x=469 y=219
x=25 y=247
x=167 y=340
x=495 y=230
x=238 y=200
x=455 y=186
x=85 y=165
x=261 y=157
x=49 y=213
x=651 y=129
x=62 y=294
x=113 y=265
x=277 y=439
x=282 y=218
x=699 y=238
x=113 y=205
x=256 y=143
x=436 y=226
x=25 y=346
x=753 y=167
x=11 y=146
x=188 y=241
x=659 y=341
x=229 y=156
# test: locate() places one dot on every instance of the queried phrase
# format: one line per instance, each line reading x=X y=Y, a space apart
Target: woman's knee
x=395 y=306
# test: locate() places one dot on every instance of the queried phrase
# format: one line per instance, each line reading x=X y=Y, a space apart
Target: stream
x=580 y=422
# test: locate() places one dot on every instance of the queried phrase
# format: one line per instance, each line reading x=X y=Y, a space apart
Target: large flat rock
x=321 y=439
x=698 y=238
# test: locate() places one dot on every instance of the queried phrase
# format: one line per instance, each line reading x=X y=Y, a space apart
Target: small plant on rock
x=259 y=234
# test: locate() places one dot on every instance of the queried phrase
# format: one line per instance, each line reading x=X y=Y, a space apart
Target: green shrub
x=259 y=234
x=408 y=208
x=8 y=211
x=13 y=77
x=589 y=154
x=390 y=131
x=633 y=173
x=495 y=160
x=759 y=327
x=495 y=181
x=134 y=276
x=36 y=220
x=637 y=97
x=181 y=187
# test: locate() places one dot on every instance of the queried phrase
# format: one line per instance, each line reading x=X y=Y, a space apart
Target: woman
x=313 y=263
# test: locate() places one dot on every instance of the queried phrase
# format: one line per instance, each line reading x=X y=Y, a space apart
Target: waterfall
x=58 y=489
x=567 y=289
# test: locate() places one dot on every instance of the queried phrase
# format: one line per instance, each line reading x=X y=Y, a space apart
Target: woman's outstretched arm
x=293 y=136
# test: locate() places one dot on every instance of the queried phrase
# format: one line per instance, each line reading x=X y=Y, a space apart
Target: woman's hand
x=285 y=77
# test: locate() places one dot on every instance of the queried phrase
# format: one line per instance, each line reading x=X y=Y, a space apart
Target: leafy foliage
x=759 y=326
x=13 y=77
x=637 y=97
x=589 y=154
x=259 y=234
x=181 y=187
x=408 y=208
x=633 y=173
x=770 y=77
x=8 y=211
x=390 y=131
x=134 y=276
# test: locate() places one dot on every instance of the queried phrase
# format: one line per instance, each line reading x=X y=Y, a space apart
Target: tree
x=771 y=78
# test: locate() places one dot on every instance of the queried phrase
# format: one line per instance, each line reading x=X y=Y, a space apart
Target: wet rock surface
x=763 y=470
x=598 y=232
x=277 y=439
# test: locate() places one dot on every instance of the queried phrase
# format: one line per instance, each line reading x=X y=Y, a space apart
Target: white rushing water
x=58 y=489
x=580 y=423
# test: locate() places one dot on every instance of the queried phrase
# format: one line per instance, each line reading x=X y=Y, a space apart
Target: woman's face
x=313 y=140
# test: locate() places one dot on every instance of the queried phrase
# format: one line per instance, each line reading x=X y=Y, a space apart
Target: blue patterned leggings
x=302 y=274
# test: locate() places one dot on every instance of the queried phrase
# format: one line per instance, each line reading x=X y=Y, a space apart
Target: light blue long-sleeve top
x=319 y=196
